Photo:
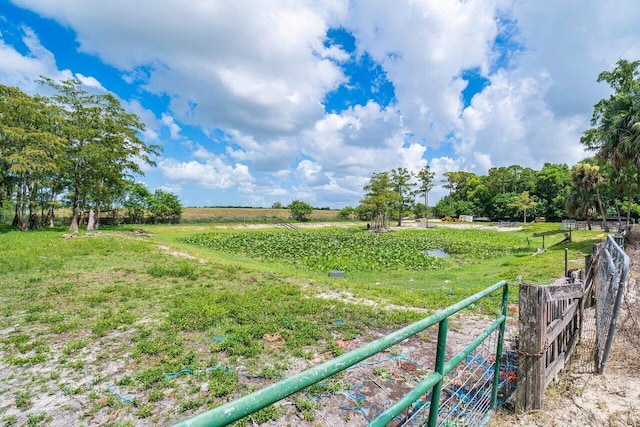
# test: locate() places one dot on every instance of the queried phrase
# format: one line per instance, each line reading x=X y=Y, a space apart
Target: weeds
x=74 y=346
x=23 y=400
x=182 y=269
x=10 y=420
x=150 y=376
x=119 y=310
x=306 y=407
x=222 y=383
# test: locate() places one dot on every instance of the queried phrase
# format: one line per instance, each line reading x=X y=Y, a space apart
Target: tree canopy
x=615 y=132
x=300 y=210
x=72 y=143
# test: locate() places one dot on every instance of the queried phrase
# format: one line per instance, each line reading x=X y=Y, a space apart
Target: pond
x=438 y=253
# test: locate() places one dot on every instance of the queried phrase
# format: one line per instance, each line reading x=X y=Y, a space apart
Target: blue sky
x=263 y=102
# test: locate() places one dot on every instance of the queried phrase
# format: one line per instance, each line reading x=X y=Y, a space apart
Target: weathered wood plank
x=563 y=292
x=547 y=337
x=554 y=368
x=558 y=325
x=532 y=309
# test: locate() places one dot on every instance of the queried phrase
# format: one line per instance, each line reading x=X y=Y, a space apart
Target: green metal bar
x=439 y=369
x=496 y=369
x=259 y=399
x=422 y=388
x=432 y=379
x=451 y=363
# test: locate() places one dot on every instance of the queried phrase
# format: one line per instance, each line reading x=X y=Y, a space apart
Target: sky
x=256 y=102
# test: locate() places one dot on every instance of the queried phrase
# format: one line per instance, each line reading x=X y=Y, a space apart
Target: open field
x=130 y=326
x=191 y=215
x=250 y=214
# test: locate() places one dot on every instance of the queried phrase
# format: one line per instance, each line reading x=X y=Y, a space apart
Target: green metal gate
x=430 y=387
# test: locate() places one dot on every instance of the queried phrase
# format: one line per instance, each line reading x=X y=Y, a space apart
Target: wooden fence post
x=531 y=349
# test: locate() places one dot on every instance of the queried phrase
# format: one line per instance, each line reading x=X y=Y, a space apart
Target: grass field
x=146 y=327
x=190 y=214
x=200 y=215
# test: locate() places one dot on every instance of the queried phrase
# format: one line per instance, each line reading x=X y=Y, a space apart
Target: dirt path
x=612 y=399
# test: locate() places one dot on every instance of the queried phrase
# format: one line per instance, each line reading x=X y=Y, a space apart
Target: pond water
x=438 y=253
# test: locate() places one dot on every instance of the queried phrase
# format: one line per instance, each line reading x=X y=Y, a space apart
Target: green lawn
x=122 y=327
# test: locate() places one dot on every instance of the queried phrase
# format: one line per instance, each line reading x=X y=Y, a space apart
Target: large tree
x=379 y=197
x=136 y=197
x=30 y=151
x=403 y=187
x=615 y=131
x=165 y=205
x=102 y=143
x=551 y=187
x=425 y=184
x=459 y=182
x=587 y=179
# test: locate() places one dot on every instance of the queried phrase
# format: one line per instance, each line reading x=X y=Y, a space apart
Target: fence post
x=531 y=378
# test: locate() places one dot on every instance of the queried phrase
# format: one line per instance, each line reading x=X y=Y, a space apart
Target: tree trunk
x=33 y=211
x=96 y=222
x=23 y=207
x=605 y=226
x=75 y=211
x=16 y=215
x=48 y=222
x=91 y=222
x=96 y=218
x=426 y=205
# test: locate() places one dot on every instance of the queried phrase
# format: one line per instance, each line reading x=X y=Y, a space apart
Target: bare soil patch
x=374 y=384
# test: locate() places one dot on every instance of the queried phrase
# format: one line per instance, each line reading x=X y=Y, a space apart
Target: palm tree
x=615 y=135
x=581 y=203
x=587 y=180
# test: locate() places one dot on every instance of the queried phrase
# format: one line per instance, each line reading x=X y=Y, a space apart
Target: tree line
x=73 y=148
x=84 y=150
x=604 y=185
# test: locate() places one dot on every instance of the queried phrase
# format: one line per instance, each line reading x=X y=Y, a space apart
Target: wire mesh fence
x=605 y=285
x=466 y=393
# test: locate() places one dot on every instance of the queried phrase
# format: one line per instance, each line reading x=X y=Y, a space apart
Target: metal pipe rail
x=246 y=405
x=617 y=267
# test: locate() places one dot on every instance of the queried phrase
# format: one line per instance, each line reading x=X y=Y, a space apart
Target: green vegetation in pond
x=356 y=250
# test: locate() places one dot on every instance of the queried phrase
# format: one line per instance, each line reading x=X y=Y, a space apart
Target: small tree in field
x=523 y=202
x=164 y=205
x=347 y=212
x=300 y=210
